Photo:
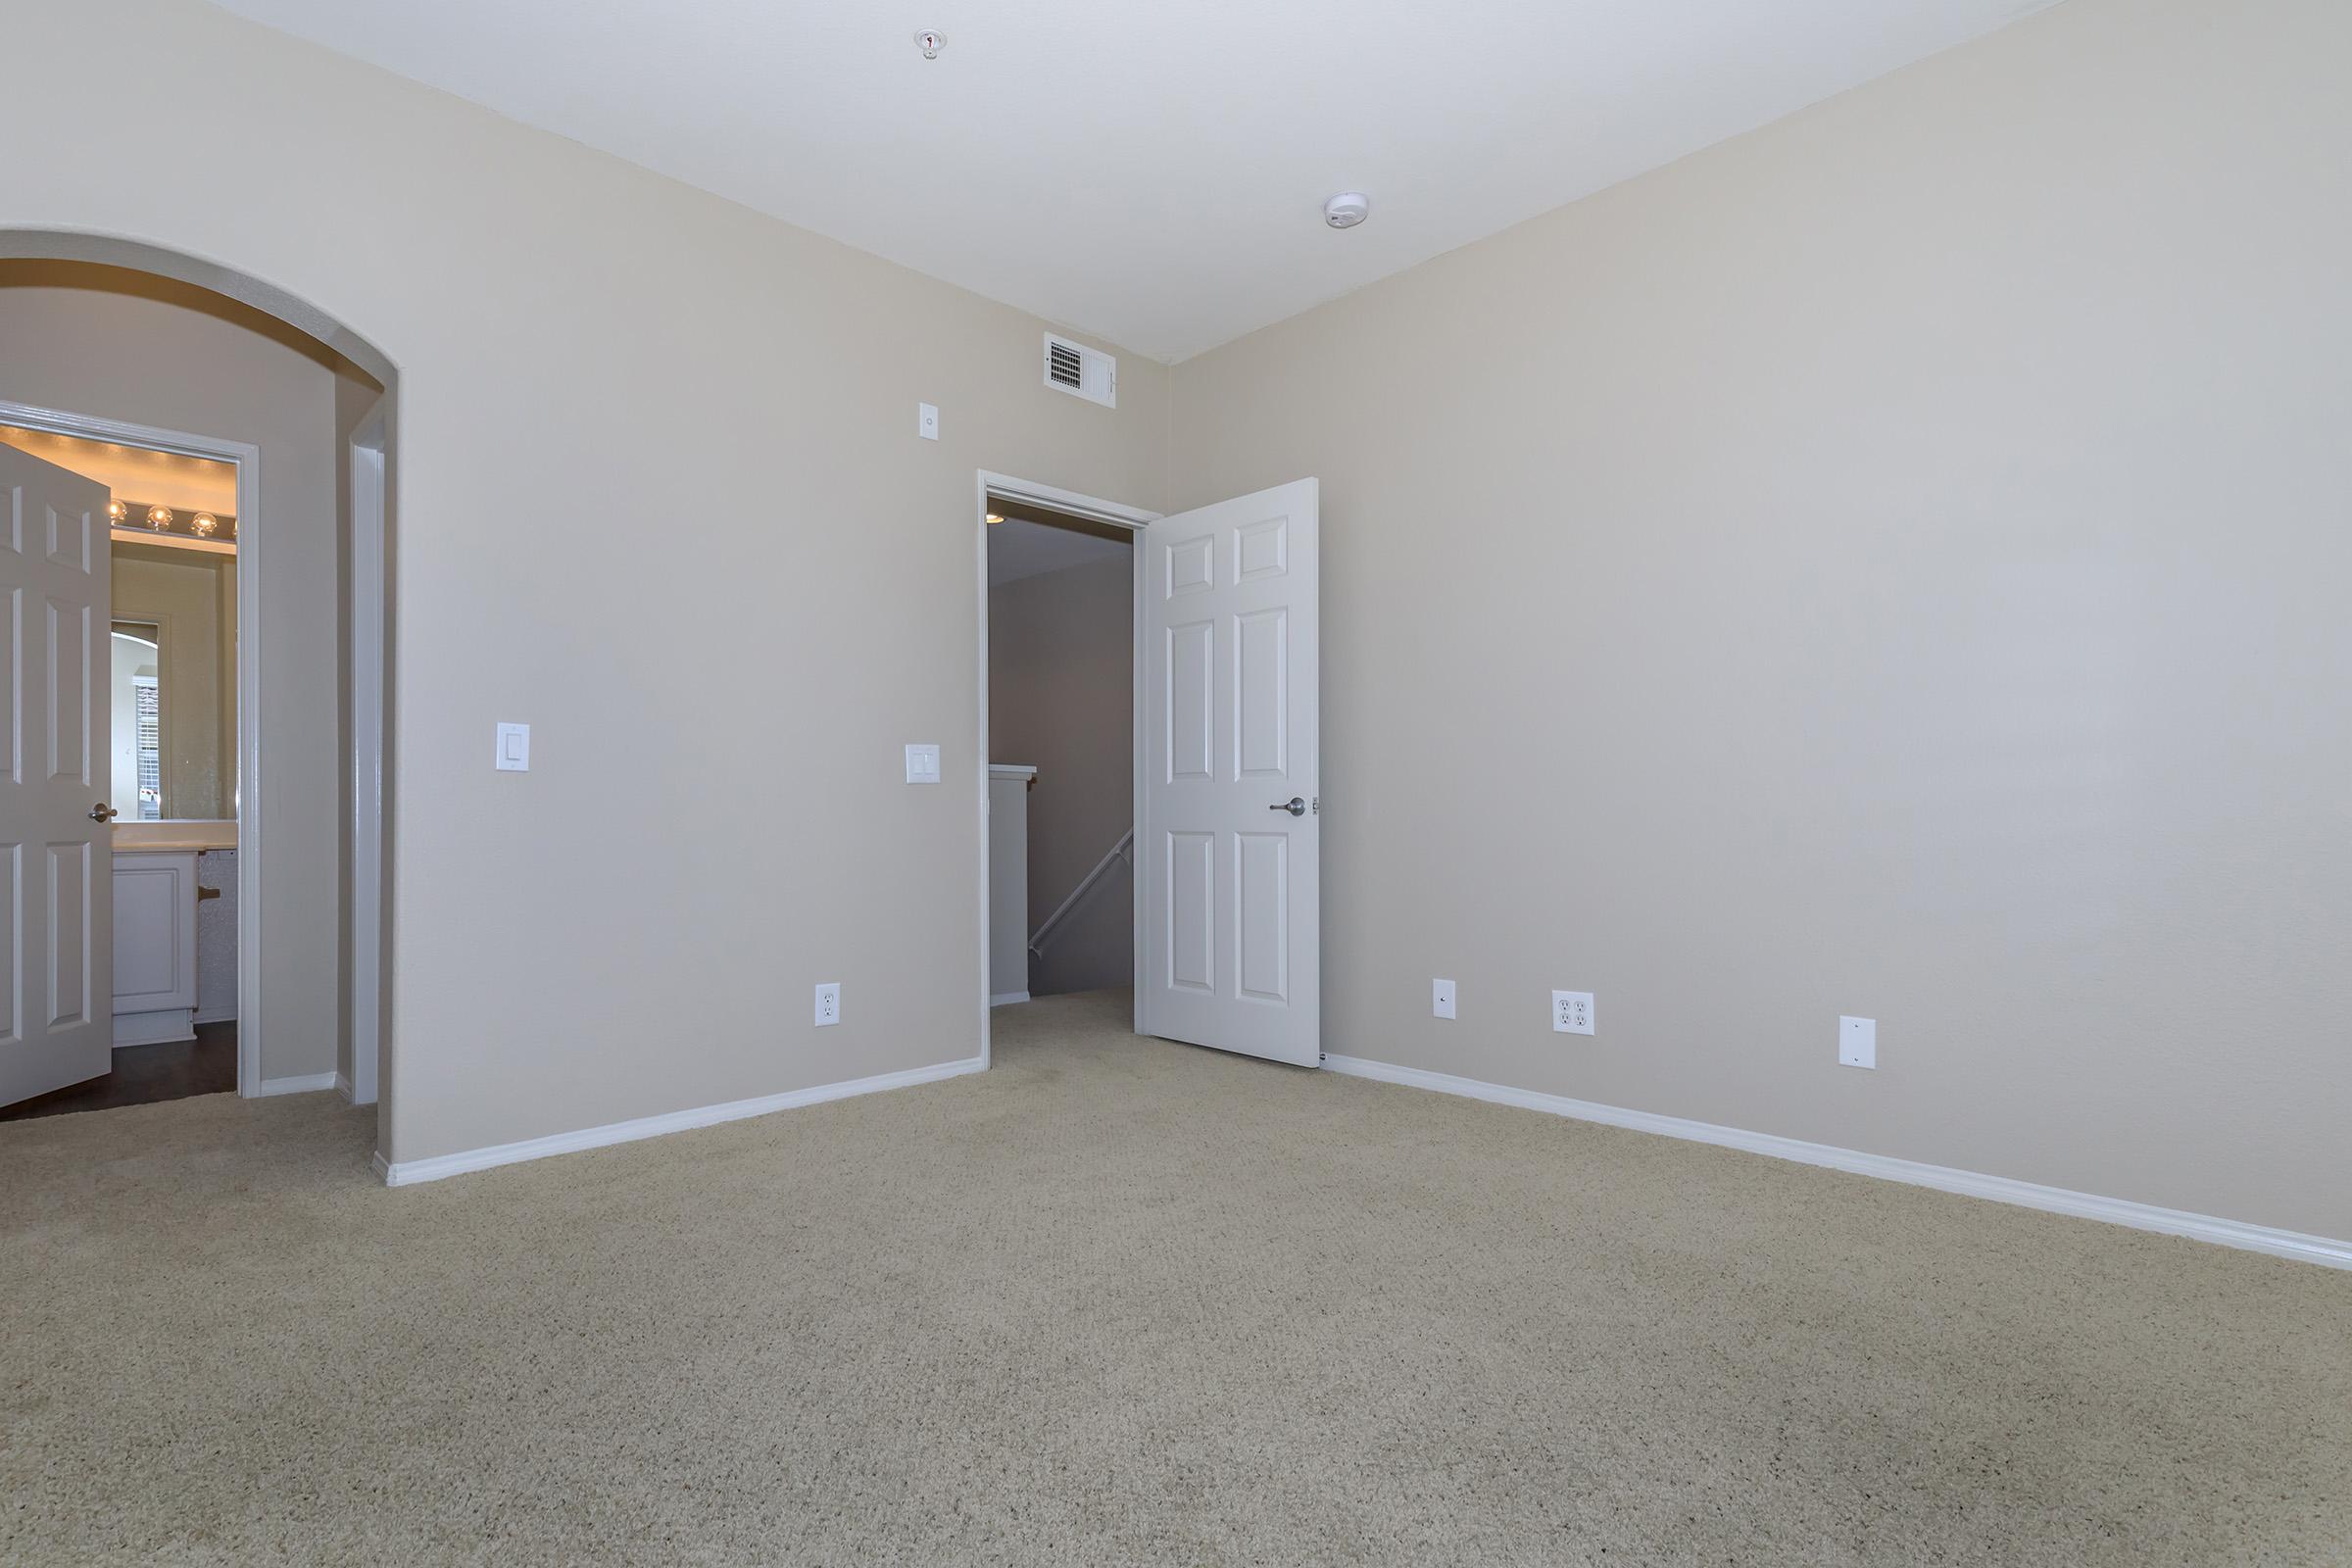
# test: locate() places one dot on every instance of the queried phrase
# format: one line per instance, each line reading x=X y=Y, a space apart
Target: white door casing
x=56 y=860
x=1229 y=875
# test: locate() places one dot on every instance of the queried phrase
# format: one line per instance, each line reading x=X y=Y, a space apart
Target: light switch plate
x=1857 y=1042
x=926 y=420
x=515 y=748
x=923 y=765
x=1441 y=998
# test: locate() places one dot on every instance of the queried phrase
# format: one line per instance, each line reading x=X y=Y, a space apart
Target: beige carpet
x=1124 y=1301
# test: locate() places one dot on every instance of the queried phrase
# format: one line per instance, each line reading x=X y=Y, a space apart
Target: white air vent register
x=1081 y=372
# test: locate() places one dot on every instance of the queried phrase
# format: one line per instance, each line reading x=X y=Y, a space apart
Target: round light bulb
x=159 y=517
x=204 y=522
x=117 y=511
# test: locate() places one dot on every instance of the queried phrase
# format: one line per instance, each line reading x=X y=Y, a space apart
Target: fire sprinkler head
x=931 y=43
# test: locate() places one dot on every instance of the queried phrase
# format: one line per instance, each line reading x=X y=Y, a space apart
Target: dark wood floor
x=144 y=1075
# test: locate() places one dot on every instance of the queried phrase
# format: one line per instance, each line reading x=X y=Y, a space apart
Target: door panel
x=1231 y=904
x=1259 y=657
x=1192 y=700
x=12 y=951
x=68 y=935
x=1262 y=915
x=69 y=693
x=56 y=862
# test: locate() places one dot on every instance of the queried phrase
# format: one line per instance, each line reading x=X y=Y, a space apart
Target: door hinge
x=1316 y=805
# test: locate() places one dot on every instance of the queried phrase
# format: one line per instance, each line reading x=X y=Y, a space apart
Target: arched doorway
x=136 y=395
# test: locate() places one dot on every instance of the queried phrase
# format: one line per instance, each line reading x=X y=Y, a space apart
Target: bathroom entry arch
x=372 y=463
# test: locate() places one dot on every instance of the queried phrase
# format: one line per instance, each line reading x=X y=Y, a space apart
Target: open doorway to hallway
x=1062 y=731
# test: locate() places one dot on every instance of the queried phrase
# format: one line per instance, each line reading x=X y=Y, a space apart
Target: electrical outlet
x=1441 y=998
x=828 y=1004
x=1857 y=1042
x=1572 y=1012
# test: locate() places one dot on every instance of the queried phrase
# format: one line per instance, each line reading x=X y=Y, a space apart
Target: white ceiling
x=1152 y=174
x=1018 y=549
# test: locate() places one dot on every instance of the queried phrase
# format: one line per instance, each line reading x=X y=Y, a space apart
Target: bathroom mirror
x=175 y=683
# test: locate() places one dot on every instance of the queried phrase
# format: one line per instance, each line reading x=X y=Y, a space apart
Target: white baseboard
x=343 y=1084
x=1005 y=998
x=408 y=1172
x=306 y=1084
x=1969 y=1184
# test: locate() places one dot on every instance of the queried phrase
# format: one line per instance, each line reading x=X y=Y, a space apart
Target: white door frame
x=368 y=480
x=1094 y=510
x=367 y=587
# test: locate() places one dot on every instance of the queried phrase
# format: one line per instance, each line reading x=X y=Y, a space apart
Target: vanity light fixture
x=159 y=518
x=995 y=517
x=204 y=522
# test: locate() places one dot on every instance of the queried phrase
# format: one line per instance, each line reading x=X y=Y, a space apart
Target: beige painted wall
x=1895 y=563
x=1061 y=699
x=93 y=341
x=608 y=936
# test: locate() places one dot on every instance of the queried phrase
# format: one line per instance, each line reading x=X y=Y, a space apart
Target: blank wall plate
x=1572 y=1012
x=1858 y=1042
x=1441 y=998
x=828 y=1004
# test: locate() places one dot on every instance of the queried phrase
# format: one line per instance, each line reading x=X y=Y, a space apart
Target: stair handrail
x=1119 y=851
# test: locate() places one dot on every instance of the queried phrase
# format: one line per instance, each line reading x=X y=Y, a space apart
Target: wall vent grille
x=1081 y=372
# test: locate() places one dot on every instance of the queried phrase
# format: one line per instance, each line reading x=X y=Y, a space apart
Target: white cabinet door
x=1228 y=854
x=55 y=882
x=155 y=945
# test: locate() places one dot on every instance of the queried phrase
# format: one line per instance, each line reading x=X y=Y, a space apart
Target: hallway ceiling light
x=995 y=517
x=159 y=518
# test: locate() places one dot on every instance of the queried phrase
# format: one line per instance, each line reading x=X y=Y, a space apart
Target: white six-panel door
x=56 y=872
x=1227 y=865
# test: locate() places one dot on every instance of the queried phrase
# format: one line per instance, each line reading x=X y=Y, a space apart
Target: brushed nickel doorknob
x=1295 y=805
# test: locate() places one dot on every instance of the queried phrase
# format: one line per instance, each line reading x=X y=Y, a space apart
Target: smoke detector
x=1347 y=208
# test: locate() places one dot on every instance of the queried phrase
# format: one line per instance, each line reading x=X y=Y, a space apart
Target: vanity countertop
x=133 y=838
